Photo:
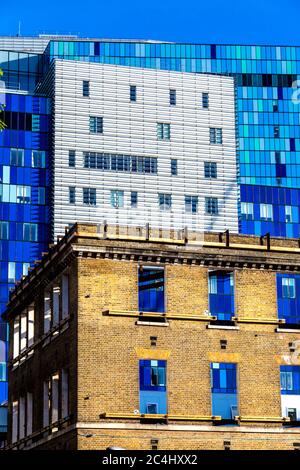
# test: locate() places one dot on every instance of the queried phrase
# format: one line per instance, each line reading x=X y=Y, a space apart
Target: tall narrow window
x=153 y=387
x=224 y=390
x=221 y=295
x=85 y=88
x=72 y=158
x=30 y=325
x=96 y=125
x=151 y=289
x=132 y=93
x=11 y=271
x=290 y=391
x=15 y=421
x=134 y=199
x=46 y=402
x=22 y=417
x=215 y=135
x=4 y=230
x=29 y=413
x=55 y=305
x=17 y=157
x=54 y=398
x=247 y=210
x=288 y=214
x=288 y=298
x=47 y=311
x=16 y=343
x=72 y=197
x=64 y=393
x=163 y=131
x=174 y=170
x=172 y=97
x=38 y=159
x=205 y=100
x=65 y=296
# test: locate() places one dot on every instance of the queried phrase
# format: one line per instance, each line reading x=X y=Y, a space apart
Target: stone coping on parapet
x=154 y=245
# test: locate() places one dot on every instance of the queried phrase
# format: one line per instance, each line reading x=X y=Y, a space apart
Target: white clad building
x=134 y=145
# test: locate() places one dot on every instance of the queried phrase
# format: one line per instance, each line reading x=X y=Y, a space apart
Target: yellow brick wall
x=255 y=294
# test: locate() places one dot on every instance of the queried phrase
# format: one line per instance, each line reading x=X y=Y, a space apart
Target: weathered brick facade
x=101 y=351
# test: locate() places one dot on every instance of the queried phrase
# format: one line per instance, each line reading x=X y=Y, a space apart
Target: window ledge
x=287 y=330
x=222 y=327
x=152 y=323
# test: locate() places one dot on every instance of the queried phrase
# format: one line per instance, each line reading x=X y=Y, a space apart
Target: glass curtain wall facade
x=24 y=197
x=267 y=116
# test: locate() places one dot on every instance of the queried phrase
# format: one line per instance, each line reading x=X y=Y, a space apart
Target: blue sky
x=203 y=21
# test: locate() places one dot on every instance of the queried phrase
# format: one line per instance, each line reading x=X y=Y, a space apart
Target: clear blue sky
x=203 y=21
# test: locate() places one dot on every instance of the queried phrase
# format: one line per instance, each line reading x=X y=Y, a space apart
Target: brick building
x=147 y=340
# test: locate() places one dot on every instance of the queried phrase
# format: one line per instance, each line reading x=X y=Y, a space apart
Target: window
x=23 y=195
x=25 y=268
x=85 y=88
x=41 y=195
x=276 y=131
x=290 y=391
x=221 y=295
x=23 y=331
x=275 y=106
x=266 y=212
x=151 y=289
x=205 y=101
x=288 y=214
x=56 y=303
x=117 y=198
x=224 y=390
x=134 y=199
x=96 y=125
x=211 y=205
x=215 y=135
x=126 y=163
x=72 y=195
x=89 y=196
x=17 y=157
x=22 y=417
x=132 y=93
x=11 y=271
x=30 y=232
x=3 y=375
x=4 y=230
x=38 y=159
x=165 y=202
x=163 y=131
x=247 y=210
x=191 y=204
x=173 y=166
x=173 y=97
x=288 y=304
x=56 y=397
x=153 y=386
x=72 y=158
x=210 y=170
x=288 y=288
